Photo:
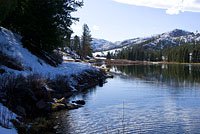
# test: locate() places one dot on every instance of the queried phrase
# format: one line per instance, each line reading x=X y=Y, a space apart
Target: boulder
x=80 y=102
x=72 y=106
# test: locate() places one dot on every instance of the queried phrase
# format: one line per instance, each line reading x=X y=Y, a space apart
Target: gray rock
x=81 y=102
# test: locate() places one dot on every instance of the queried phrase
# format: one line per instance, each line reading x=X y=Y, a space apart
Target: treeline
x=139 y=53
x=44 y=24
x=186 y=53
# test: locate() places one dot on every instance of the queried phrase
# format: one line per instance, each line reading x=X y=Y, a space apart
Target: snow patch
x=5 y=119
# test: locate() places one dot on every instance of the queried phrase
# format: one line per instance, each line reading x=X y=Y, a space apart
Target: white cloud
x=173 y=10
x=76 y=27
x=171 y=6
x=96 y=28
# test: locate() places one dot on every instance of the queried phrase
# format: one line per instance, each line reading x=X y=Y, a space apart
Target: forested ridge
x=186 y=53
x=176 y=48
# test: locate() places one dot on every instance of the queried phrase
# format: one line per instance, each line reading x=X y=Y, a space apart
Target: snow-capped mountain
x=101 y=44
x=173 y=38
x=177 y=33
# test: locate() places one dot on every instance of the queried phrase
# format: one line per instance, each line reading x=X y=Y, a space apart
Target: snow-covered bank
x=10 y=45
x=5 y=120
x=36 y=83
x=7 y=131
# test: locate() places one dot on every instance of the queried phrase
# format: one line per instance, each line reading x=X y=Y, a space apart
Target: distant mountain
x=173 y=38
x=101 y=44
x=161 y=40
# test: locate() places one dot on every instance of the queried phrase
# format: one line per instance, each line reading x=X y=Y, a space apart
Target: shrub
x=60 y=84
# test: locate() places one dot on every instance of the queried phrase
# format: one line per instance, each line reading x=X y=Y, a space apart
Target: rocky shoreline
x=32 y=85
x=38 y=97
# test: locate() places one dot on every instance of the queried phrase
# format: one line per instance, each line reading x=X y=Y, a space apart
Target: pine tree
x=76 y=45
x=108 y=56
x=43 y=24
x=6 y=7
x=86 y=42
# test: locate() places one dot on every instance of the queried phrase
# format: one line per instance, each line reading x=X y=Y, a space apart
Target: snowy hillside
x=11 y=46
x=175 y=37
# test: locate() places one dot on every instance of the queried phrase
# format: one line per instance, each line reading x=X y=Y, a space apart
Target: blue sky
x=117 y=20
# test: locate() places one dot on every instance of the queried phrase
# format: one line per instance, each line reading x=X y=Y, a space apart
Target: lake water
x=140 y=99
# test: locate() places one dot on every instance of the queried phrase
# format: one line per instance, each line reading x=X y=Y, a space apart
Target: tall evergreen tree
x=42 y=23
x=86 y=42
x=108 y=56
x=6 y=7
x=76 y=44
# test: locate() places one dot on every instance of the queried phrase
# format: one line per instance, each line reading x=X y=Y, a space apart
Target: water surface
x=140 y=99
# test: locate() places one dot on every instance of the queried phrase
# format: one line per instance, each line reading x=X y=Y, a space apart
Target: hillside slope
x=11 y=46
